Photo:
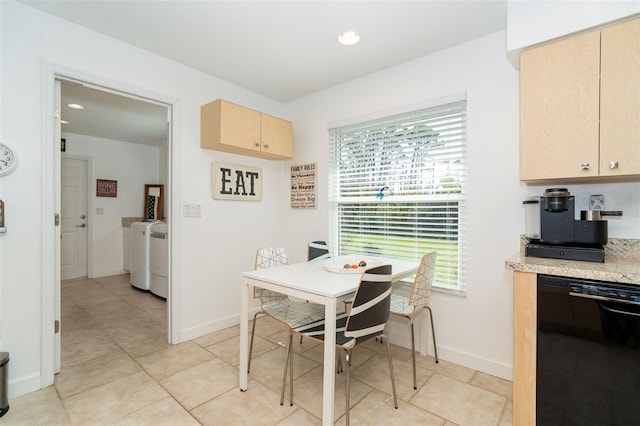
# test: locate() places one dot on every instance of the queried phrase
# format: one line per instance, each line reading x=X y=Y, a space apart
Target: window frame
x=460 y=197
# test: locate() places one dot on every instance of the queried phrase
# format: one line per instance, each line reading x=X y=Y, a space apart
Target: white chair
x=409 y=307
x=277 y=305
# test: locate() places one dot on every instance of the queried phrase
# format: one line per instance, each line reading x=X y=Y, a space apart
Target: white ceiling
x=111 y=116
x=285 y=50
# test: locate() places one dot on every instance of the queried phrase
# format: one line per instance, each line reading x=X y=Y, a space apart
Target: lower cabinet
x=524 y=348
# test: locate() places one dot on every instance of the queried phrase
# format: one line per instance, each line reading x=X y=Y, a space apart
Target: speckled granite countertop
x=621 y=263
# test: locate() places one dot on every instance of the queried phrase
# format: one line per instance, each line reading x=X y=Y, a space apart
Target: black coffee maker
x=557 y=213
x=564 y=237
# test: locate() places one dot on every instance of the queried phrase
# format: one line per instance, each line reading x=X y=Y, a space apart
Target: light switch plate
x=192 y=210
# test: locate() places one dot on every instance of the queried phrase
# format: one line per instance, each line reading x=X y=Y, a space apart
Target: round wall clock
x=8 y=160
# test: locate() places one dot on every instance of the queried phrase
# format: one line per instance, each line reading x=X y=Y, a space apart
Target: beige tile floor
x=117 y=369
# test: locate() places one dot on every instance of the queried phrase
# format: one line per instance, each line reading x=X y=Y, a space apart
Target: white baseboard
x=108 y=273
x=212 y=326
x=488 y=366
x=24 y=385
x=399 y=334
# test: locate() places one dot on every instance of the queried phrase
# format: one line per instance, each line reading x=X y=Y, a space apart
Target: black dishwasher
x=588 y=352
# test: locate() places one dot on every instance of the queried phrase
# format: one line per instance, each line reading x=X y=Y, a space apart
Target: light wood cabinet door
x=225 y=126
x=559 y=109
x=229 y=127
x=276 y=136
x=524 y=348
x=620 y=100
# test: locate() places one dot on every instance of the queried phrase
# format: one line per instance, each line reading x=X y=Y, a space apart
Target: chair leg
x=413 y=354
x=253 y=332
x=287 y=363
x=348 y=362
x=291 y=370
x=433 y=333
x=393 y=379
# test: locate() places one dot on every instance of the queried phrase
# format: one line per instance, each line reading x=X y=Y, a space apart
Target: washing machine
x=139 y=273
x=159 y=259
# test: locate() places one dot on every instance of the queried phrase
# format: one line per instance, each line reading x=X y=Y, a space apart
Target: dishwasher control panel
x=620 y=293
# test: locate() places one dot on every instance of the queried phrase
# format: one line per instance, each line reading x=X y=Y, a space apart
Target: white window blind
x=397 y=188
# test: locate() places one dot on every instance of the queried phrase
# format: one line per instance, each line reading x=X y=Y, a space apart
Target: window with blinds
x=397 y=188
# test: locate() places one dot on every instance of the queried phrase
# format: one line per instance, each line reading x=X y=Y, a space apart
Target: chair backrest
x=421 y=290
x=269 y=257
x=317 y=249
x=371 y=304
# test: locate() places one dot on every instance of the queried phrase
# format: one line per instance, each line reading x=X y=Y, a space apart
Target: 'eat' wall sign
x=233 y=182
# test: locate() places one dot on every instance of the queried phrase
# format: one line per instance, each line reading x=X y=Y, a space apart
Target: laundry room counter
x=127 y=221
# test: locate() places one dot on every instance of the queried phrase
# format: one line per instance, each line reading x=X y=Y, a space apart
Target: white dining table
x=313 y=282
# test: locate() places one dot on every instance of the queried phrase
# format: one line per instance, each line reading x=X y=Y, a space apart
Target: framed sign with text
x=304 y=186
x=106 y=188
x=234 y=182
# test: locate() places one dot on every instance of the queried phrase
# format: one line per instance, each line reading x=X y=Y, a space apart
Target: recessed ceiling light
x=75 y=106
x=348 y=38
x=64 y=122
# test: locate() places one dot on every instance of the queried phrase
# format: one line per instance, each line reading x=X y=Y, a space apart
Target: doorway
x=120 y=138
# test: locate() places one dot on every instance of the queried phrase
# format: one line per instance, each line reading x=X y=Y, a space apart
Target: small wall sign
x=106 y=188
x=234 y=182
x=304 y=186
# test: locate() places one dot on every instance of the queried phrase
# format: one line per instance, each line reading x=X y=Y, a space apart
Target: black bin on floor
x=4 y=399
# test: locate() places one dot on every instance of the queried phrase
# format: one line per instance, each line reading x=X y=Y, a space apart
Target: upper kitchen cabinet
x=620 y=100
x=233 y=128
x=559 y=96
x=580 y=107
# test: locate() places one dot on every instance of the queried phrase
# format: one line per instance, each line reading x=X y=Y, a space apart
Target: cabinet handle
x=585 y=166
x=613 y=164
x=257 y=144
x=266 y=146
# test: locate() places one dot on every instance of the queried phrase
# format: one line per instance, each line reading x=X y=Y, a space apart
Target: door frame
x=50 y=178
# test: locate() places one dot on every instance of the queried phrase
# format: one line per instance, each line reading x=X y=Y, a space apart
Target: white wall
x=208 y=253
x=132 y=166
x=533 y=22
x=475 y=330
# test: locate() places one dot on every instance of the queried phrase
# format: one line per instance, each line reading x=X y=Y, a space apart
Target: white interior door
x=73 y=219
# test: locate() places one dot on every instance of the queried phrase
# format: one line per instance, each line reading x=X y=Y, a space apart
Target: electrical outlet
x=596 y=202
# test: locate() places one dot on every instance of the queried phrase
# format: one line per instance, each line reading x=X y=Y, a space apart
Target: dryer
x=159 y=259
x=139 y=274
